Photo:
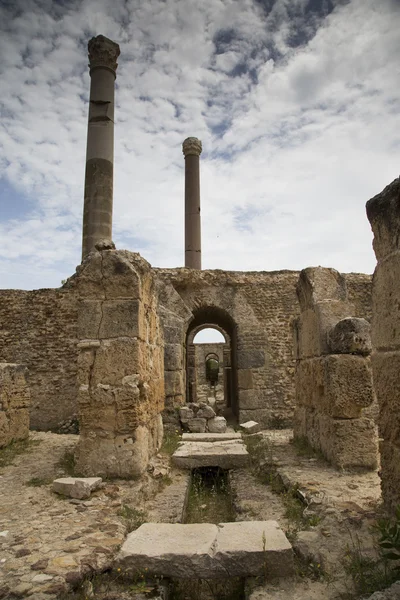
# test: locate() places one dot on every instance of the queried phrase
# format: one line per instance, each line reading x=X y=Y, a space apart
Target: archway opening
x=211 y=374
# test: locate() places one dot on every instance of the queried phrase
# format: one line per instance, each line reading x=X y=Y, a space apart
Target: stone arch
x=209 y=316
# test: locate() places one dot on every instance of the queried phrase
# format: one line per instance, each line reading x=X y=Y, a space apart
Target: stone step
x=206 y=551
x=228 y=454
x=211 y=437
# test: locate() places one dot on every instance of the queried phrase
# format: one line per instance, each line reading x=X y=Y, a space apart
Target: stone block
x=386 y=370
x=310 y=382
x=205 y=412
x=250 y=427
x=173 y=359
x=76 y=487
x=89 y=318
x=250 y=399
x=210 y=437
x=206 y=551
x=314 y=323
x=185 y=414
x=385 y=332
x=123 y=273
x=228 y=454
x=349 y=443
x=90 y=277
x=122 y=318
x=317 y=284
x=245 y=379
x=197 y=425
x=217 y=425
x=173 y=383
x=383 y=212
x=115 y=359
x=348 y=385
x=351 y=336
x=390 y=474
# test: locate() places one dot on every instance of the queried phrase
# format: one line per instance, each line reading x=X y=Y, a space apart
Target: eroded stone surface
x=76 y=487
x=227 y=455
x=208 y=551
x=211 y=437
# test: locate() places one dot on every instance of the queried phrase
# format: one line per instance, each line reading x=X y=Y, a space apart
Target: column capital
x=191 y=146
x=103 y=52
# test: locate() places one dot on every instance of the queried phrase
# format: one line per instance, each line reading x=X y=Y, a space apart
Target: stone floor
x=47 y=542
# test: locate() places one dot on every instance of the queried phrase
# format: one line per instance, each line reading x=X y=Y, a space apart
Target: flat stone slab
x=250 y=427
x=227 y=454
x=76 y=487
x=210 y=437
x=206 y=551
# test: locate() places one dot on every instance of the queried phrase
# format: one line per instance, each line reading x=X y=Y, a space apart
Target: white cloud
x=298 y=114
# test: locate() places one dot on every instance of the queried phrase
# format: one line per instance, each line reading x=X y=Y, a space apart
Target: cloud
x=295 y=101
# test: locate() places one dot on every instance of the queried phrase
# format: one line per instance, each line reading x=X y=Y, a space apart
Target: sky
x=296 y=103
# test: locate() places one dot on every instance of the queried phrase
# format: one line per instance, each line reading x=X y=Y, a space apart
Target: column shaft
x=192 y=150
x=97 y=212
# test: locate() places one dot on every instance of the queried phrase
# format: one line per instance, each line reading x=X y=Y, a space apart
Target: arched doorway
x=202 y=347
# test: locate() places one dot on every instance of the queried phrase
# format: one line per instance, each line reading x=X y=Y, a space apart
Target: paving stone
x=250 y=427
x=210 y=437
x=228 y=454
x=203 y=550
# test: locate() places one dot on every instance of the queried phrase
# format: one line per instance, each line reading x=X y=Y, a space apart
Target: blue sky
x=296 y=103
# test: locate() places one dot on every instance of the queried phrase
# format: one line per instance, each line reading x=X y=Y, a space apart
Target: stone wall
x=39 y=329
x=14 y=403
x=384 y=215
x=333 y=372
x=120 y=364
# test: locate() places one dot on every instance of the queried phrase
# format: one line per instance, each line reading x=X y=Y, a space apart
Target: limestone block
x=385 y=331
x=89 y=318
x=314 y=324
x=100 y=419
x=349 y=443
x=197 y=425
x=217 y=425
x=19 y=423
x=228 y=454
x=319 y=283
x=76 y=487
x=245 y=379
x=351 y=336
x=254 y=548
x=173 y=383
x=348 y=385
x=173 y=358
x=185 y=414
x=203 y=550
x=122 y=318
x=390 y=474
x=115 y=359
x=251 y=358
x=90 y=277
x=211 y=401
x=383 y=212
x=250 y=427
x=386 y=370
x=211 y=437
x=205 y=412
x=250 y=399
x=84 y=365
x=123 y=273
x=307 y=425
x=310 y=382
x=14 y=403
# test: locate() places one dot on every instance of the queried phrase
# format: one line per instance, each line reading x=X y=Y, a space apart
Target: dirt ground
x=48 y=543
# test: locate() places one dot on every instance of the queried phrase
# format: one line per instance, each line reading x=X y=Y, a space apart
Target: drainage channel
x=209 y=500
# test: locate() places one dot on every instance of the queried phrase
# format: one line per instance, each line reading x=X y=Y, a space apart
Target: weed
x=17 y=447
x=133 y=517
x=210 y=498
x=38 y=481
x=389 y=541
x=170 y=442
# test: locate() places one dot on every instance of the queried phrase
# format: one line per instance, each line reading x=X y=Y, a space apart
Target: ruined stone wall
x=384 y=215
x=14 y=403
x=262 y=305
x=120 y=364
x=333 y=372
x=39 y=329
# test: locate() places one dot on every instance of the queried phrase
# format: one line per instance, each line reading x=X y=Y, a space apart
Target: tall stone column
x=97 y=211
x=192 y=149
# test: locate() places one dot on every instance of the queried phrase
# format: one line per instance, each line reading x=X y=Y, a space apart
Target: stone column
x=97 y=211
x=192 y=149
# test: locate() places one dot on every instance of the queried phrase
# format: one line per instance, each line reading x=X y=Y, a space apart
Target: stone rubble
x=76 y=487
